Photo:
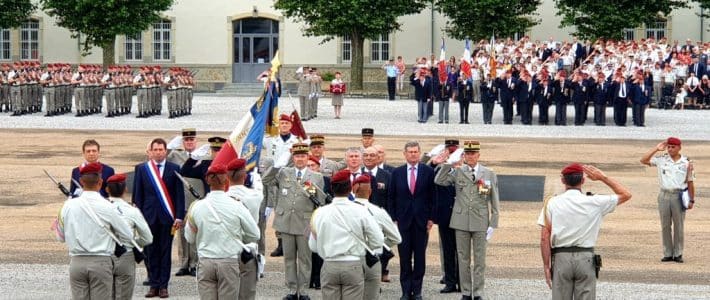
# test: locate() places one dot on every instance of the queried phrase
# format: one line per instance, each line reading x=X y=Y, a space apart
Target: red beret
x=573 y=168
x=90 y=168
x=117 y=178
x=236 y=164
x=673 y=141
x=341 y=176
x=284 y=117
x=364 y=178
x=314 y=159
x=216 y=169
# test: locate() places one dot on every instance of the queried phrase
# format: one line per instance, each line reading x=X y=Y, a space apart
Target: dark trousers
x=316 y=265
x=620 y=107
x=422 y=114
x=579 y=108
x=158 y=255
x=463 y=111
x=585 y=110
x=384 y=261
x=429 y=109
x=560 y=113
x=639 y=114
x=543 y=111
x=488 y=112
x=507 y=105
x=525 y=110
x=600 y=114
x=412 y=259
x=448 y=246
x=391 y=85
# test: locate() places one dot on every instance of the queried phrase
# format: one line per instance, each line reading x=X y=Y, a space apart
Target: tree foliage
x=358 y=19
x=602 y=19
x=14 y=12
x=98 y=22
x=479 y=19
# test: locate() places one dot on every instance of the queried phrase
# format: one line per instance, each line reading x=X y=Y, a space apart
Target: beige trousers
x=247 y=280
x=342 y=280
x=573 y=275
x=218 y=278
x=672 y=215
x=372 y=281
x=465 y=241
x=91 y=277
x=124 y=275
x=297 y=262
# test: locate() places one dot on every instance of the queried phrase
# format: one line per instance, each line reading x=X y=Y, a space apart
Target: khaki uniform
x=328 y=167
x=575 y=220
x=90 y=247
x=475 y=209
x=187 y=253
x=124 y=267
x=304 y=89
x=292 y=212
x=251 y=198
x=335 y=231
x=672 y=179
x=392 y=237
x=218 y=269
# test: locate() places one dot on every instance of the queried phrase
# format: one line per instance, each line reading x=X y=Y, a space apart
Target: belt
x=344 y=258
x=571 y=250
x=671 y=190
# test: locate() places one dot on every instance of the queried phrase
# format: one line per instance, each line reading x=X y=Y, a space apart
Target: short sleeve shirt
x=671 y=174
x=576 y=218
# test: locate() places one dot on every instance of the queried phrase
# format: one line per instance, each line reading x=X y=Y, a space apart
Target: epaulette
x=358 y=202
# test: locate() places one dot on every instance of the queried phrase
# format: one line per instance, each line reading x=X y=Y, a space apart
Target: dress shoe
x=478 y=298
x=678 y=259
x=163 y=293
x=441 y=281
x=418 y=297
x=448 y=289
x=146 y=282
x=291 y=297
x=153 y=292
x=667 y=259
x=304 y=297
x=385 y=278
x=182 y=272
x=466 y=297
x=278 y=251
x=193 y=272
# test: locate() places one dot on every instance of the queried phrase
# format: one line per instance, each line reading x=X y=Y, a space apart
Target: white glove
x=489 y=233
x=436 y=150
x=282 y=160
x=203 y=151
x=455 y=157
x=267 y=212
x=78 y=191
x=253 y=248
x=175 y=143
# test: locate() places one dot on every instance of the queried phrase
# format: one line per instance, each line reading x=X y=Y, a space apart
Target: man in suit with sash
x=159 y=195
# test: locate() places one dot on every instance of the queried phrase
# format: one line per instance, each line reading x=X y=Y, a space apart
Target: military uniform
x=475 y=212
x=218 y=271
x=141 y=83
x=304 y=89
x=338 y=231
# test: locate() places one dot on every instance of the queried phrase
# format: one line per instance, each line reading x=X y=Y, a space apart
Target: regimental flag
x=442 y=63
x=493 y=64
x=275 y=65
x=466 y=60
x=297 y=128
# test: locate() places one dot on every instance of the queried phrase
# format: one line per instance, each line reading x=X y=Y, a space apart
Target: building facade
x=229 y=41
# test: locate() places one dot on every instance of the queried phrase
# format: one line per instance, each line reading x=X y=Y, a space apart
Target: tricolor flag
x=466 y=60
x=442 y=63
x=492 y=57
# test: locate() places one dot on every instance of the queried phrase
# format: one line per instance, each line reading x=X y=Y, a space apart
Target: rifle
x=189 y=186
x=60 y=186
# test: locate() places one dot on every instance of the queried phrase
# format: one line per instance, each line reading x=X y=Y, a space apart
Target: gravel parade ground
x=34 y=266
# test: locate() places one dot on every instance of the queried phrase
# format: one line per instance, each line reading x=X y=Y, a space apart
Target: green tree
x=602 y=19
x=357 y=19
x=98 y=22
x=14 y=12
x=479 y=19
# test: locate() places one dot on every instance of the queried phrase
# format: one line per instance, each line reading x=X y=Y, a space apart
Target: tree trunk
x=356 y=62
x=109 y=53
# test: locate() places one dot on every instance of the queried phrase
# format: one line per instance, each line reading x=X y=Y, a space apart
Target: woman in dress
x=337 y=88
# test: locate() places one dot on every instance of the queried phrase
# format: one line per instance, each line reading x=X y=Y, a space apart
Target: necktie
x=298 y=176
x=160 y=169
x=412 y=179
x=623 y=90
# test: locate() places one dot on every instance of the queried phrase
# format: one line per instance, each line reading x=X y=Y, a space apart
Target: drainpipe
x=702 y=25
x=432 y=27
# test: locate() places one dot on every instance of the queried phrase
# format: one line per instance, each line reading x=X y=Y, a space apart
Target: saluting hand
x=661 y=146
x=593 y=173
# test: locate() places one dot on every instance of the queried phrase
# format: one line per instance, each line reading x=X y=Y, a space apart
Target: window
x=134 y=47
x=628 y=34
x=29 y=40
x=161 y=40
x=656 y=30
x=518 y=35
x=4 y=44
x=380 y=48
x=347 y=48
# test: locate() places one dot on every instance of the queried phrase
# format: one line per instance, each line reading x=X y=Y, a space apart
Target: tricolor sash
x=160 y=189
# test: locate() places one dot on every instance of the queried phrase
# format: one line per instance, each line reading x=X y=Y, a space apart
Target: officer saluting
x=219 y=226
x=88 y=224
x=570 y=225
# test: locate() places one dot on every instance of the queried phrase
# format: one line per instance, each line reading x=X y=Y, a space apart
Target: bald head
x=370 y=157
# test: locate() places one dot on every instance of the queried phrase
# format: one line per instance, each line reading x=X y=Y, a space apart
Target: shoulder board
x=358 y=202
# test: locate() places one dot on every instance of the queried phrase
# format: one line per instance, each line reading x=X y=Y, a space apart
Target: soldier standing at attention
x=219 y=226
x=570 y=225
x=89 y=243
x=675 y=175
x=475 y=214
x=304 y=89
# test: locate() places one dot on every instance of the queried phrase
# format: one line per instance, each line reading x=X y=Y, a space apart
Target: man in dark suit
x=379 y=185
x=422 y=91
x=381 y=154
x=697 y=67
x=411 y=194
x=507 y=93
x=621 y=92
x=159 y=195
x=91 y=150
x=561 y=94
x=523 y=95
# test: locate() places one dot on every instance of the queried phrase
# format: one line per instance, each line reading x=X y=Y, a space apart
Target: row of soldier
x=24 y=85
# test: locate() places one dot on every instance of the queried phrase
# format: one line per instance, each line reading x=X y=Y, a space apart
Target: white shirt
x=81 y=233
x=134 y=218
x=576 y=218
x=671 y=174
x=251 y=197
x=275 y=146
x=383 y=219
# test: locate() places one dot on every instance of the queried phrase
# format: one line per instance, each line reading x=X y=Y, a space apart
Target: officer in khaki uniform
x=340 y=231
x=219 y=226
x=362 y=189
x=293 y=210
x=327 y=166
x=124 y=267
x=675 y=174
x=90 y=245
x=570 y=224
x=475 y=213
